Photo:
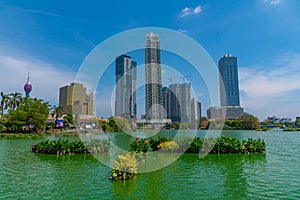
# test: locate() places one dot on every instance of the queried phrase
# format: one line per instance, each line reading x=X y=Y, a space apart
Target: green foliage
x=297 y=123
x=154 y=142
x=21 y=136
x=62 y=147
x=115 y=124
x=249 y=122
x=105 y=126
x=233 y=124
x=222 y=145
x=33 y=113
x=57 y=112
x=139 y=146
x=2 y=127
x=169 y=146
x=97 y=146
x=68 y=120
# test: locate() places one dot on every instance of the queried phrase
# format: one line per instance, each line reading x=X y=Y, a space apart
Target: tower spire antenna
x=28 y=77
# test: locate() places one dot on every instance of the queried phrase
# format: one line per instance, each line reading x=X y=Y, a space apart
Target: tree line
x=19 y=114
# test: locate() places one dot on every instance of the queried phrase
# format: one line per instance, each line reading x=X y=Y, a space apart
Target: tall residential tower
x=154 y=101
x=125 y=104
x=229 y=81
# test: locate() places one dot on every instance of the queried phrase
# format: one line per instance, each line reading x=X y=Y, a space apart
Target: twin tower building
x=125 y=104
x=172 y=103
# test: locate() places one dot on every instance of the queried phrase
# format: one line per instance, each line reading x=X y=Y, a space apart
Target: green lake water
x=276 y=175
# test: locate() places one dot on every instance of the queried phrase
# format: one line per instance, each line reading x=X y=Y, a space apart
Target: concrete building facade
x=74 y=100
x=154 y=100
x=177 y=102
x=195 y=110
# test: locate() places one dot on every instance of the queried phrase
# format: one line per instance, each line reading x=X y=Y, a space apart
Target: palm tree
x=15 y=99
x=5 y=102
x=57 y=111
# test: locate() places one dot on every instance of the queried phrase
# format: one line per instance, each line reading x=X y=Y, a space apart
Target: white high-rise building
x=154 y=101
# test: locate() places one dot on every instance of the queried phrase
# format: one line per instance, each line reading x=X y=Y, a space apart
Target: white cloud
x=276 y=90
x=45 y=78
x=190 y=11
x=272 y=2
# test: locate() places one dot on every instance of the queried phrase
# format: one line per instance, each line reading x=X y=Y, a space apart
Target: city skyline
x=263 y=34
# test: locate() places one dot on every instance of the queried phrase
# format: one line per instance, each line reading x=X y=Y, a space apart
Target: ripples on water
x=276 y=175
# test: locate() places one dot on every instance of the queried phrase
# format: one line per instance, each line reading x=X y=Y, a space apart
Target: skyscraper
x=180 y=102
x=177 y=102
x=195 y=110
x=125 y=104
x=229 y=83
x=154 y=101
x=74 y=100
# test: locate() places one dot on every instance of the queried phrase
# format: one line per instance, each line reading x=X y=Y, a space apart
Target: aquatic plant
x=222 y=145
x=62 y=147
x=168 y=146
x=124 y=167
x=21 y=135
x=139 y=145
x=154 y=142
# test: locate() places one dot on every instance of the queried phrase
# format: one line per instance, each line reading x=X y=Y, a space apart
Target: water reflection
x=234 y=170
x=124 y=189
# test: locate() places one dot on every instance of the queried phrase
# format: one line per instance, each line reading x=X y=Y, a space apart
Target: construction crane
x=183 y=77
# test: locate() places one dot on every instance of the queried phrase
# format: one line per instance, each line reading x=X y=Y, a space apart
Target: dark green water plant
x=62 y=147
x=222 y=145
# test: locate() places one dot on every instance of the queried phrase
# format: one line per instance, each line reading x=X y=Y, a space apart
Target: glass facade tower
x=125 y=104
x=229 y=83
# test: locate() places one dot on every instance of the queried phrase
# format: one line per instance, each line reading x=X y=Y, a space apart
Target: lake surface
x=276 y=175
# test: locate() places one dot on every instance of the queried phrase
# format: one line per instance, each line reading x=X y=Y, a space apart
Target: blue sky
x=52 y=39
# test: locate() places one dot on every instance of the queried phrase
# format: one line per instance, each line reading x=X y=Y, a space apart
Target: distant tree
x=33 y=113
x=4 y=103
x=2 y=127
x=119 y=124
x=249 y=122
x=233 y=124
x=217 y=124
x=203 y=123
x=105 y=126
x=57 y=111
x=68 y=120
x=17 y=119
x=15 y=99
x=297 y=123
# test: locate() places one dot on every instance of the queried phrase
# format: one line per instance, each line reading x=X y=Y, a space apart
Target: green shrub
x=62 y=147
x=154 y=142
x=139 y=146
x=168 y=146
